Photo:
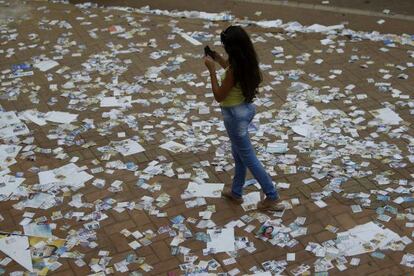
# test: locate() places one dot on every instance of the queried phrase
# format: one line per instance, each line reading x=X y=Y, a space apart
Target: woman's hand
x=220 y=60
x=215 y=55
x=210 y=64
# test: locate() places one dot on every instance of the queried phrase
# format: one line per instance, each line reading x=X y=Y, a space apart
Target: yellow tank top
x=235 y=96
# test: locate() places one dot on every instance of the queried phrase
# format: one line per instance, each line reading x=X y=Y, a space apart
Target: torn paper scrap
x=269 y=23
x=17 y=248
x=190 y=39
x=317 y=28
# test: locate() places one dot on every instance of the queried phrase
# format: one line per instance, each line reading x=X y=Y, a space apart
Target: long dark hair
x=243 y=60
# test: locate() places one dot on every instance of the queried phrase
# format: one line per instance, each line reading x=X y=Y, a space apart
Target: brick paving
x=157 y=254
x=242 y=8
x=402 y=7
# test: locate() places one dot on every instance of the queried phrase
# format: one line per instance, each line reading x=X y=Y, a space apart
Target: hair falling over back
x=243 y=60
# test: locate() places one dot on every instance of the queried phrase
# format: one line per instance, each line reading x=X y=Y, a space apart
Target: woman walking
x=235 y=94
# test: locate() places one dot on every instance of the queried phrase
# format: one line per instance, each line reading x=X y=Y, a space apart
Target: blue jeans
x=236 y=120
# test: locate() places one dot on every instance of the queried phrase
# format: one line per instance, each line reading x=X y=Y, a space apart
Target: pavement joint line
x=329 y=9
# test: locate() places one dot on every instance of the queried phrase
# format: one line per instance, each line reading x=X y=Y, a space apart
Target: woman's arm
x=220 y=60
x=220 y=92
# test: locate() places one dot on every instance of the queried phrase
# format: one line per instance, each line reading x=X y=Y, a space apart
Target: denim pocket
x=242 y=114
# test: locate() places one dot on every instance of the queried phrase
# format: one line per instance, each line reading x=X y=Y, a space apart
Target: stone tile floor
x=73 y=44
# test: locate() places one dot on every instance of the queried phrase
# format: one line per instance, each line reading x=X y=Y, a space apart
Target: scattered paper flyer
x=11 y=125
x=386 y=116
x=60 y=117
x=115 y=102
x=205 y=190
x=277 y=147
x=304 y=130
x=250 y=201
x=46 y=65
x=40 y=200
x=17 y=248
x=365 y=238
x=222 y=240
x=8 y=154
x=173 y=146
x=190 y=39
x=37 y=230
x=33 y=116
x=67 y=175
x=128 y=147
x=9 y=185
x=95 y=120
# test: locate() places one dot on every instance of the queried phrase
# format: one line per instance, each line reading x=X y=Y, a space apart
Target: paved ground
x=242 y=8
x=395 y=6
x=163 y=124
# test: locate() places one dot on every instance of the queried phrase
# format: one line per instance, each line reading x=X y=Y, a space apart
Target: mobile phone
x=208 y=52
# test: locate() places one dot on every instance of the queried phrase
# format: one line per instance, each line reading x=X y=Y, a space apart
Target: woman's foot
x=270 y=205
x=232 y=197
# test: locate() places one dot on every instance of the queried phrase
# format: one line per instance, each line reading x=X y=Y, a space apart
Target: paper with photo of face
x=268 y=230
